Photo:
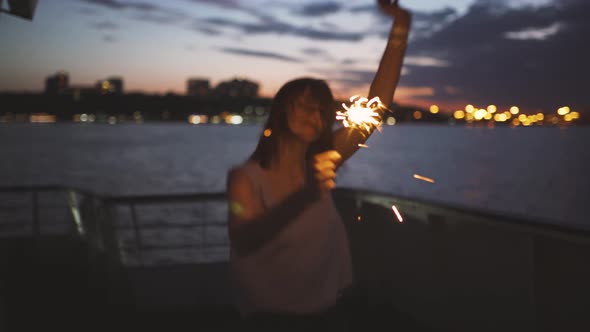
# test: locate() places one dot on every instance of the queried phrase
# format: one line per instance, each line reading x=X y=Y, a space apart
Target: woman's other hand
x=323 y=169
x=400 y=15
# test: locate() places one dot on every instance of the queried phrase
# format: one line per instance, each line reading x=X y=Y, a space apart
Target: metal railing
x=93 y=218
x=93 y=212
x=492 y=272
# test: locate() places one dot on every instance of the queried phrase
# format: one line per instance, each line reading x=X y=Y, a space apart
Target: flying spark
x=423 y=178
x=398 y=215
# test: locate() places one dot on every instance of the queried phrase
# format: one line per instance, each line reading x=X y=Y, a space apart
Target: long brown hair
x=268 y=145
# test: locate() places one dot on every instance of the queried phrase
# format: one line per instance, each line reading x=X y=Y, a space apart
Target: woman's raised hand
x=323 y=169
x=400 y=15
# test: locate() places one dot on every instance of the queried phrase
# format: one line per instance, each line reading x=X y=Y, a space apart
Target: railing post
x=74 y=205
x=533 y=285
x=107 y=231
x=138 y=242
x=35 y=210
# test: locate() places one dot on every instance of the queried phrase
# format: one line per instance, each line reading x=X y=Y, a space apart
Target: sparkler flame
x=362 y=113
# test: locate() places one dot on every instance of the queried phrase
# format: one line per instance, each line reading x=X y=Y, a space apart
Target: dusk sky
x=530 y=53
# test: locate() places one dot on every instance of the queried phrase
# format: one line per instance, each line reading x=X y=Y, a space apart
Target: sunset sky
x=529 y=53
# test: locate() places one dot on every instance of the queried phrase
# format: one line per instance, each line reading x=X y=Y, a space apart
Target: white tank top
x=303 y=268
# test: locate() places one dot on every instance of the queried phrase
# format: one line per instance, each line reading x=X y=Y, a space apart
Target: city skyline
x=461 y=52
x=59 y=84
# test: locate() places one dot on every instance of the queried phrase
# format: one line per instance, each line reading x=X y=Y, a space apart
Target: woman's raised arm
x=346 y=140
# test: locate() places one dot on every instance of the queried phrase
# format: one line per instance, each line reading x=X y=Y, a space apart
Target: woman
x=290 y=256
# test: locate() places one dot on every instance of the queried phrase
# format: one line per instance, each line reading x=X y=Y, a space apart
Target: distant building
x=81 y=91
x=110 y=86
x=198 y=87
x=237 y=88
x=57 y=84
x=21 y=8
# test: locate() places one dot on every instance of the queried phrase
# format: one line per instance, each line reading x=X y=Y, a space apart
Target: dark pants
x=329 y=320
x=353 y=312
x=336 y=318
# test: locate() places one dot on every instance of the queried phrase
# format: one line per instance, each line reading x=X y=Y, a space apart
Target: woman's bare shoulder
x=242 y=193
x=248 y=168
x=249 y=172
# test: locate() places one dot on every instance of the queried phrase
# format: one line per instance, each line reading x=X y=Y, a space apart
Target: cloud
x=261 y=54
x=263 y=23
x=535 y=33
x=364 y=8
x=109 y=38
x=319 y=9
x=313 y=51
x=425 y=61
x=545 y=70
x=164 y=18
x=114 y=4
x=87 y=11
x=414 y=92
x=271 y=26
x=424 y=24
x=105 y=25
x=143 y=11
x=219 y=3
x=354 y=78
x=206 y=30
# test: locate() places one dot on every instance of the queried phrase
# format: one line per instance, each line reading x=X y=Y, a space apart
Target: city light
x=479 y=114
x=563 y=110
x=42 y=118
x=236 y=119
x=434 y=109
x=514 y=110
x=459 y=114
x=194 y=119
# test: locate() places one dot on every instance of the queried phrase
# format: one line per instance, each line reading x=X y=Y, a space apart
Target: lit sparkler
x=362 y=114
